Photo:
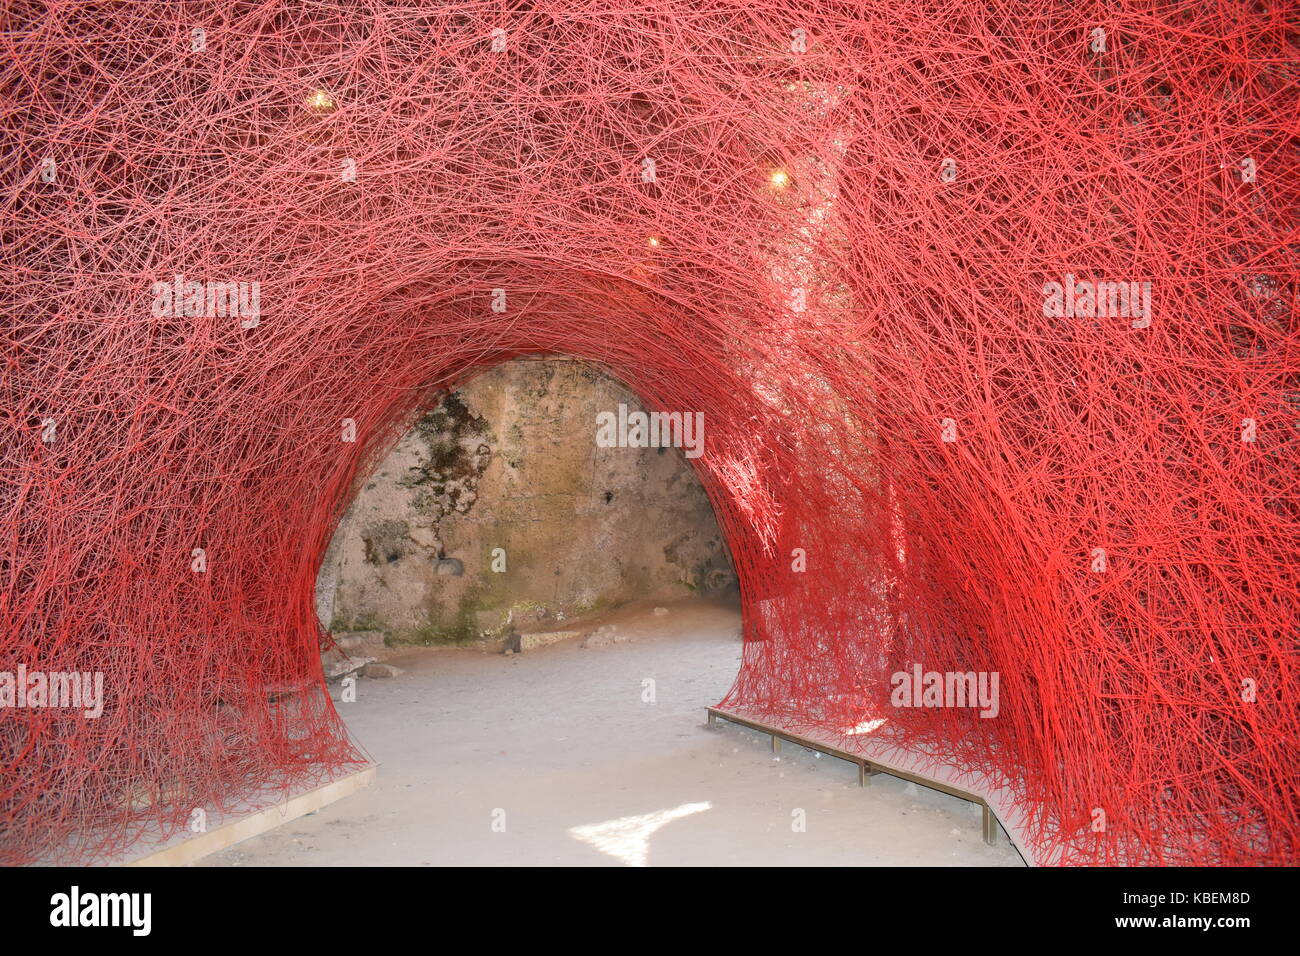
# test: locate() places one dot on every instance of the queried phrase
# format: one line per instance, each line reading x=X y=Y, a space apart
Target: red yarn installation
x=839 y=255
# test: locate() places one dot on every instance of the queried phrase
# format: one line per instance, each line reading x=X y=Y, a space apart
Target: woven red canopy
x=989 y=308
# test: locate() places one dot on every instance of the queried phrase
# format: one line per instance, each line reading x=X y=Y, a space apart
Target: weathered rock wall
x=510 y=462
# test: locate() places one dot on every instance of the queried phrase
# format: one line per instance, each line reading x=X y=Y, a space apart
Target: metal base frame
x=866 y=769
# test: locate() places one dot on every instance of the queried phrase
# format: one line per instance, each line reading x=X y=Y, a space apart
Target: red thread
x=854 y=223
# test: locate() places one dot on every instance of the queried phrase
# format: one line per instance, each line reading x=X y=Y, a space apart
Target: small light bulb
x=779 y=179
x=320 y=101
x=653 y=242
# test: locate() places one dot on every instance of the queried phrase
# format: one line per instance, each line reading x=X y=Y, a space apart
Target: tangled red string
x=832 y=227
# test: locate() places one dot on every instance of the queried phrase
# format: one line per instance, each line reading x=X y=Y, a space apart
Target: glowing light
x=654 y=242
x=866 y=727
x=779 y=179
x=320 y=101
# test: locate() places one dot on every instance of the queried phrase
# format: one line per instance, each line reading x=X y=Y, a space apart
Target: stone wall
x=510 y=462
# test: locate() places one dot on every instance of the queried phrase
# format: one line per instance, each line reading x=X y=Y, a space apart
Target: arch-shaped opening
x=739 y=475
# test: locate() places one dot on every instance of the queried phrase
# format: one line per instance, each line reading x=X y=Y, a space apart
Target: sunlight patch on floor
x=627 y=839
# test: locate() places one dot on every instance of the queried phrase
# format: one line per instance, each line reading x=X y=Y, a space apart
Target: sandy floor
x=552 y=757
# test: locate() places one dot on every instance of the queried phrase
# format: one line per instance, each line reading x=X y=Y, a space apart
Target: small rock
x=380 y=670
x=660 y=612
x=341 y=666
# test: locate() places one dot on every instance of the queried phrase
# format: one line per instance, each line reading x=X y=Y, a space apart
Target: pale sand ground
x=588 y=774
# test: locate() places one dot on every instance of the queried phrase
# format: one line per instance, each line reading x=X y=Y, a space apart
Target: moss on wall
x=458 y=447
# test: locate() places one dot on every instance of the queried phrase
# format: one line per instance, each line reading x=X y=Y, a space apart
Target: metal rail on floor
x=866 y=768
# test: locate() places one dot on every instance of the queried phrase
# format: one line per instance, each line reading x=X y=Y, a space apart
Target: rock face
x=498 y=513
x=362 y=643
x=353 y=651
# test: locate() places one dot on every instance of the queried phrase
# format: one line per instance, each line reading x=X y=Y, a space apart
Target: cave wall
x=509 y=461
